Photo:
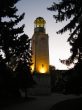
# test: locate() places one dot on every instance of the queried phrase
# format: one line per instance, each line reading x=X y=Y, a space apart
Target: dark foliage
x=70 y=10
x=23 y=76
x=16 y=47
x=8 y=30
x=7 y=81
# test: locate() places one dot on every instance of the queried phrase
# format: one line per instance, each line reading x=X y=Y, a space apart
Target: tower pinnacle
x=39 y=24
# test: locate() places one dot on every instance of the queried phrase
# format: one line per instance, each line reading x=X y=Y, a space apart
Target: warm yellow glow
x=32 y=68
x=42 y=69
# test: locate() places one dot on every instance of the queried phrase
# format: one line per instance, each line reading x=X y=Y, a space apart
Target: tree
x=23 y=63
x=24 y=77
x=70 y=10
x=22 y=51
x=7 y=81
x=13 y=42
x=9 y=32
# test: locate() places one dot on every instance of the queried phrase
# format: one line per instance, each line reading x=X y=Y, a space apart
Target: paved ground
x=70 y=104
x=41 y=102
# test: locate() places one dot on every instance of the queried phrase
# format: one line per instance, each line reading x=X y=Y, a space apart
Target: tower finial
x=39 y=22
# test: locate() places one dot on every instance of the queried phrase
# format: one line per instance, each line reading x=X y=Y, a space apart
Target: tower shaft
x=40 y=47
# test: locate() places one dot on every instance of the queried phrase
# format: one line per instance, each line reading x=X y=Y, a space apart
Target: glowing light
x=32 y=68
x=42 y=69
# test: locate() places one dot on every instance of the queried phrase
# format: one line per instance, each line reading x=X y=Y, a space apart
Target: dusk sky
x=58 y=47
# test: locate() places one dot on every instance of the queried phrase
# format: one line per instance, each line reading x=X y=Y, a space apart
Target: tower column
x=40 y=58
x=40 y=47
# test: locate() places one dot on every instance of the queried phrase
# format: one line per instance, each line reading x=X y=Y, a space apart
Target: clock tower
x=40 y=58
x=40 y=47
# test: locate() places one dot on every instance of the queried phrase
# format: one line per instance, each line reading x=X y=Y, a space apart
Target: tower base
x=42 y=86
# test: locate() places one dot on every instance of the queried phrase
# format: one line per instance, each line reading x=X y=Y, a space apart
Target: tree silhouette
x=15 y=45
x=9 y=32
x=70 y=10
x=22 y=51
x=23 y=75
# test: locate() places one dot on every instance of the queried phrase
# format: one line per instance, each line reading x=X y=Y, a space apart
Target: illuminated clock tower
x=40 y=47
x=40 y=59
